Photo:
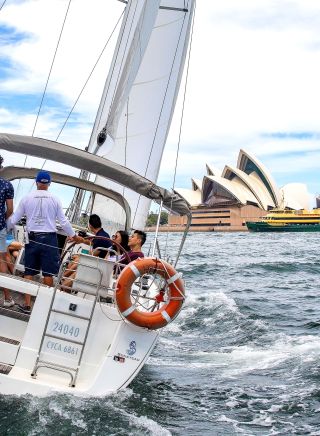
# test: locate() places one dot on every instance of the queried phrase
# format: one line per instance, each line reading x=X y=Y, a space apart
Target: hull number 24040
x=65 y=329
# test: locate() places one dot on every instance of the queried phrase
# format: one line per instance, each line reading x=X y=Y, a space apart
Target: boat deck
x=13 y=312
x=5 y=369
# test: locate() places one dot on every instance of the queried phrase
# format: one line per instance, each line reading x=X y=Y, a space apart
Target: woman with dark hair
x=136 y=240
x=122 y=238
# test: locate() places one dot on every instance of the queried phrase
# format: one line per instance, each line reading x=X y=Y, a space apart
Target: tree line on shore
x=153 y=218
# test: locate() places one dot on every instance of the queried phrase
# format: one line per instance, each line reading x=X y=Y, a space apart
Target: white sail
x=141 y=89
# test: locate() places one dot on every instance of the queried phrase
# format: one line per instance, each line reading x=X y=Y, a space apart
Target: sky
x=253 y=82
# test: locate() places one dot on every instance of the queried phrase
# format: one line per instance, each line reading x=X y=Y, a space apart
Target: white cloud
x=254 y=70
x=85 y=33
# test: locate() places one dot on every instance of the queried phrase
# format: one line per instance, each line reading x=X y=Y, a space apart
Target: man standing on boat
x=41 y=209
x=6 y=209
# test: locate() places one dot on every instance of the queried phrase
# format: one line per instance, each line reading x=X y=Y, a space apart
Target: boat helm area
x=93 y=336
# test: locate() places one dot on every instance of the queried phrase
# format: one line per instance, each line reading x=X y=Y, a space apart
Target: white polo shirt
x=42 y=209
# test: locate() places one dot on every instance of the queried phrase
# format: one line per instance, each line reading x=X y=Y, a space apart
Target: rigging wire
x=53 y=60
x=181 y=119
x=46 y=85
x=126 y=141
x=84 y=86
x=159 y=117
x=4 y=2
x=91 y=72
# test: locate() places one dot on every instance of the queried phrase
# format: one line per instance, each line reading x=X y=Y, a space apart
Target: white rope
x=45 y=88
x=174 y=278
x=181 y=293
x=106 y=315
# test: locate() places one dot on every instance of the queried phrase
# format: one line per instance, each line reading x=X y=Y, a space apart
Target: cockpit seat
x=93 y=275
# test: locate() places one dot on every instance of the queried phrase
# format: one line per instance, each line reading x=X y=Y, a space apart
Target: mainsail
x=141 y=90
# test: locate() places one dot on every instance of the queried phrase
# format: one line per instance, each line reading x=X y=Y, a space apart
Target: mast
x=76 y=206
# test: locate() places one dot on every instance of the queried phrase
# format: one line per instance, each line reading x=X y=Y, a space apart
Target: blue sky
x=253 y=82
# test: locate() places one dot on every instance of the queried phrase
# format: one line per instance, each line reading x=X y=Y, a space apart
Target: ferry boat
x=282 y=220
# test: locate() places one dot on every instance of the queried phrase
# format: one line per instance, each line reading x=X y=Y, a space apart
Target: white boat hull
x=114 y=351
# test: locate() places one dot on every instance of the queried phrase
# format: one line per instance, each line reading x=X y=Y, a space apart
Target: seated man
x=95 y=227
x=136 y=241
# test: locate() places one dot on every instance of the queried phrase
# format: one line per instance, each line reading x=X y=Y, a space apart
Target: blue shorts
x=3 y=240
x=42 y=254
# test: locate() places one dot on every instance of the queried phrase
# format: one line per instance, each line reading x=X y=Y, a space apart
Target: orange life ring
x=168 y=311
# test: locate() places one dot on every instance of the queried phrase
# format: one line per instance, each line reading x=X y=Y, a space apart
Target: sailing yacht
x=96 y=338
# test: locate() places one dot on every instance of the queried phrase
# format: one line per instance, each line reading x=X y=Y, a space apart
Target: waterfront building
x=225 y=200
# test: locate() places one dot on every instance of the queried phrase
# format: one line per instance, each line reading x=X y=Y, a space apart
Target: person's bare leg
x=4 y=269
x=12 y=253
x=27 y=297
x=72 y=266
x=48 y=281
x=66 y=284
x=9 y=262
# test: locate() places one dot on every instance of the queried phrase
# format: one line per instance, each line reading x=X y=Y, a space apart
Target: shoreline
x=209 y=229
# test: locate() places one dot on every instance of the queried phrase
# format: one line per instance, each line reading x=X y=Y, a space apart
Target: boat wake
x=63 y=414
x=250 y=375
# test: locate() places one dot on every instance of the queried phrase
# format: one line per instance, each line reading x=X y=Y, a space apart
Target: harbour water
x=243 y=357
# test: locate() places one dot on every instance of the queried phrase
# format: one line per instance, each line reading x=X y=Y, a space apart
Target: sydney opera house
x=225 y=201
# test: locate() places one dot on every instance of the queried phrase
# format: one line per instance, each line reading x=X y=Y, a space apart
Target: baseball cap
x=43 y=177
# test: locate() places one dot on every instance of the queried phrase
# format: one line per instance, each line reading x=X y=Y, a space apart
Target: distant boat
x=281 y=220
